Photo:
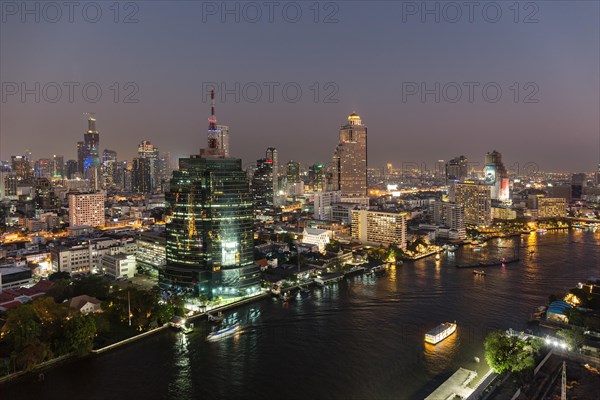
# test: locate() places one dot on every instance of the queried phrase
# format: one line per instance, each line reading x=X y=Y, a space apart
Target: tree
x=56 y=276
x=80 y=333
x=509 y=353
x=573 y=337
x=92 y=285
x=24 y=327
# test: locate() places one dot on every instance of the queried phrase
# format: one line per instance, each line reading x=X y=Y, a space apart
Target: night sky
x=364 y=55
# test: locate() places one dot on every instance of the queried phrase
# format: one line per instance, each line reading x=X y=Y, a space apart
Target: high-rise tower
x=91 y=165
x=210 y=235
x=350 y=160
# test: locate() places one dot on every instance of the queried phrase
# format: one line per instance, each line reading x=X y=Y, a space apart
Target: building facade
x=350 y=159
x=86 y=209
x=379 y=228
x=476 y=201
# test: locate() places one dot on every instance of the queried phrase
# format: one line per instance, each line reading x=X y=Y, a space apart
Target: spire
x=212 y=121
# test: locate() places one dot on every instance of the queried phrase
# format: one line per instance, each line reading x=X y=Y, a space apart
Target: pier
x=456 y=385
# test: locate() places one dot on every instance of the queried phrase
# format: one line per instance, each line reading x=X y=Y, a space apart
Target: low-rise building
x=551 y=207
x=318 y=237
x=119 y=265
x=85 y=304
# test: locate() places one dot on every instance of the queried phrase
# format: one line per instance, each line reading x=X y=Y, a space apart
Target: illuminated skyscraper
x=496 y=176
x=457 y=169
x=350 y=159
x=148 y=151
x=210 y=236
x=109 y=163
x=263 y=190
x=91 y=165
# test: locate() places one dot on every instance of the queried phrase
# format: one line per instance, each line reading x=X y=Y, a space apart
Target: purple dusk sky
x=374 y=57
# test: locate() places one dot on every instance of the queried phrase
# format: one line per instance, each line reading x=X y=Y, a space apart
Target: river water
x=359 y=339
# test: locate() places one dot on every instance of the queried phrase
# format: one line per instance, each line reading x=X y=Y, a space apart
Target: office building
x=476 y=201
x=141 y=175
x=451 y=216
x=577 y=184
x=323 y=203
x=210 y=235
x=86 y=209
x=496 y=176
x=379 y=228
x=263 y=185
x=147 y=151
x=109 y=166
x=457 y=169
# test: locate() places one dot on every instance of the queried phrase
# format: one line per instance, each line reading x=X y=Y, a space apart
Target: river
x=359 y=339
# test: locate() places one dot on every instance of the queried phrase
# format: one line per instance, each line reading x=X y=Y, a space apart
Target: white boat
x=479 y=272
x=440 y=332
x=223 y=333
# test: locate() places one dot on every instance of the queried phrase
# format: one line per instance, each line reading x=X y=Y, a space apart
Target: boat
x=437 y=256
x=542 y=230
x=452 y=248
x=215 y=318
x=305 y=290
x=440 y=332
x=223 y=333
x=479 y=272
x=478 y=248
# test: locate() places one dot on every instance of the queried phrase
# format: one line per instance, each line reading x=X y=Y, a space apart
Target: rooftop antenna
x=212 y=121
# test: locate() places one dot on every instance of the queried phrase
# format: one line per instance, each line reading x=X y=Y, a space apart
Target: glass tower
x=210 y=234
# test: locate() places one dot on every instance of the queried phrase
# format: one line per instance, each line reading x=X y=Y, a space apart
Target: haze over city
x=367 y=52
x=300 y=200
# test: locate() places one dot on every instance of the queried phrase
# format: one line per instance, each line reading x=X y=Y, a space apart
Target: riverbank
x=73 y=357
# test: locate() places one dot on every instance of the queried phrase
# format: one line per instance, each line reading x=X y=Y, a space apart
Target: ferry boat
x=222 y=333
x=479 y=272
x=440 y=332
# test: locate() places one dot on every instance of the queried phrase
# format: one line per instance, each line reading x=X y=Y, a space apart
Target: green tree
x=572 y=337
x=575 y=316
x=509 y=353
x=24 y=328
x=79 y=333
x=56 y=276
x=93 y=285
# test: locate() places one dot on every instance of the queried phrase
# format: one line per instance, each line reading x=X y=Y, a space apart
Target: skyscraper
x=80 y=157
x=350 y=159
x=263 y=184
x=148 y=151
x=210 y=237
x=109 y=162
x=496 y=176
x=457 y=169
x=141 y=175
x=91 y=165
x=22 y=168
x=58 y=166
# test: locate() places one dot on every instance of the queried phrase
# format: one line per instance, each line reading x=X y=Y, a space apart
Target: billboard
x=504 y=190
x=489 y=173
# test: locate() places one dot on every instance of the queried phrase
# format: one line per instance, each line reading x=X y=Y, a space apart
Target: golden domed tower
x=350 y=160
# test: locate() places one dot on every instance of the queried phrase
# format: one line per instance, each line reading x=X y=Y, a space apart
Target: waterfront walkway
x=456 y=385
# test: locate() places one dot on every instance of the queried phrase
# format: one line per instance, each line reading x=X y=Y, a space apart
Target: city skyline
x=552 y=58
